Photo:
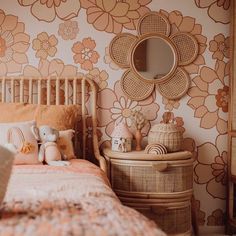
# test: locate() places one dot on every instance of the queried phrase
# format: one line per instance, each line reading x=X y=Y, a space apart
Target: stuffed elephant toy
x=49 y=151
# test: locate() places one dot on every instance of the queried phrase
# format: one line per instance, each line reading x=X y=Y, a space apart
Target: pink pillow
x=20 y=135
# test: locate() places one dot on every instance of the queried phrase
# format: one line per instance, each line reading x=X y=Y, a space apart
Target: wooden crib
x=57 y=91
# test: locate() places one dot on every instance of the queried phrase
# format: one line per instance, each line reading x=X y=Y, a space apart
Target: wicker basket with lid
x=166 y=133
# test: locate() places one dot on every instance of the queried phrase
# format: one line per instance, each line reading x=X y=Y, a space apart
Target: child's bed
x=69 y=200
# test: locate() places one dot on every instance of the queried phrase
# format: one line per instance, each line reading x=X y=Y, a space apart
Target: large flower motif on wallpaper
x=14 y=43
x=118 y=109
x=211 y=170
x=48 y=10
x=113 y=15
x=218 y=10
x=209 y=97
x=220 y=47
x=68 y=30
x=85 y=55
x=45 y=45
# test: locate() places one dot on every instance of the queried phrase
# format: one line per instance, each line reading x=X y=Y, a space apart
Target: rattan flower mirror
x=154 y=57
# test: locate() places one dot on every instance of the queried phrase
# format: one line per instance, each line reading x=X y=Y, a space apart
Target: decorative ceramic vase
x=121 y=138
x=166 y=133
x=138 y=138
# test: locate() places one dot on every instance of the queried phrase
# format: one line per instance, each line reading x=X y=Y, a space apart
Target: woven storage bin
x=166 y=133
x=173 y=218
x=150 y=178
x=6 y=162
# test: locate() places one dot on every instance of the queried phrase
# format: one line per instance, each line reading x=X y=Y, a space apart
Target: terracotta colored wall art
x=71 y=38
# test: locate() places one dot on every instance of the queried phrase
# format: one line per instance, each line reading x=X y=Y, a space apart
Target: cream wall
x=35 y=39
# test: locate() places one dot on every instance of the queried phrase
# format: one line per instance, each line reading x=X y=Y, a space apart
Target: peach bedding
x=74 y=200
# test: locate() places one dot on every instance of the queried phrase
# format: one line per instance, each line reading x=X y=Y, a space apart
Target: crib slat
x=66 y=92
x=57 y=91
x=21 y=90
x=74 y=91
x=12 y=90
x=83 y=116
x=3 y=90
x=30 y=91
x=39 y=91
x=48 y=91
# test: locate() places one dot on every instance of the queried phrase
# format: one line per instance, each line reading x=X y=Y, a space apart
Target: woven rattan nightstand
x=159 y=186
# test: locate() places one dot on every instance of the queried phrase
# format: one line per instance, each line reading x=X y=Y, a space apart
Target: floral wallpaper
x=71 y=38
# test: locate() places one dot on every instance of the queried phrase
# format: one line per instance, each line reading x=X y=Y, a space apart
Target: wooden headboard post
x=77 y=90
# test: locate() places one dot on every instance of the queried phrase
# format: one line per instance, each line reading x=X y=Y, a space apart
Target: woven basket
x=173 y=218
x=150 y=179
x=166 y=133
x=6 y=162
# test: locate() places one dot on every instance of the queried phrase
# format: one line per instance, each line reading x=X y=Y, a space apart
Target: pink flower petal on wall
x=200 y=112
x=68 y=9
x=121 y=9
x=206 y=153
x=21 y=37
x=187 y=25
x=196 y=102
x=208 y=74
x=44 y=67
x=209 y=120
x=9 y=23
x=200 y=60
x=200 y=83
x=31 y=71
x=20 y=58
x=105 y=103
x=56 y=67
x=20 y=47
x=219 y=14
x=220 y=68
x=203 y=173
x=86 y=3
x=222 y=126
x=216 y=189
x=42 y=12
x=196 y=92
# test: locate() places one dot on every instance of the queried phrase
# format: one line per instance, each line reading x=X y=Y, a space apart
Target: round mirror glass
x=154 y=58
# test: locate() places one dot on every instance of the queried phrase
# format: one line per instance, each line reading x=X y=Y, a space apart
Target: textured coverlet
x=75 y=200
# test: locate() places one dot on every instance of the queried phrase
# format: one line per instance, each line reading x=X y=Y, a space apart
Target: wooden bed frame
x=76 y=89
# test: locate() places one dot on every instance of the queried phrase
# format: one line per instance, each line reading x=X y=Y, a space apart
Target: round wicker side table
x=159 y=186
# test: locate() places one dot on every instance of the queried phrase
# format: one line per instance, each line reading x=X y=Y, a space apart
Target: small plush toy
x=48 y=151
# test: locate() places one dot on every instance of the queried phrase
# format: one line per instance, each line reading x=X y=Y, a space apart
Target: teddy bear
x=48 y=151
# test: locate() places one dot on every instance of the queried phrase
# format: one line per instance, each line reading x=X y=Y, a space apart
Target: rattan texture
x=135 y=88
x=154 y=22
x=119 y=49
x=174 y=220
x=187 y=47
x=176 y=87
x=166 y=134
x=146 y=179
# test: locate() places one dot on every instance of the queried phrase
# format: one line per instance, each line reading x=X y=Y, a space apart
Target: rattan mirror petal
x=182 y=49
x=176 y=86
x=154 y=22
x=135 y=88
x=187 y=47
x=119 y=46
